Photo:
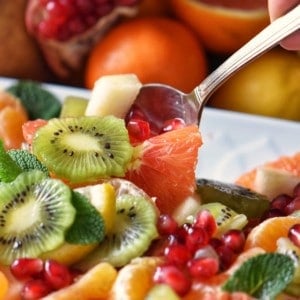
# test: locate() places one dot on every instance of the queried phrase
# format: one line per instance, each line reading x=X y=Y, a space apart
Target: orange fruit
x=164 y=166
x=290 y=164
x=223 y=26
x=135 y=279
x=12 y=117
x=156 y=49
x=266 y=234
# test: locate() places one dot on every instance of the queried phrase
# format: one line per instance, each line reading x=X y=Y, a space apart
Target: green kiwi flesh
x=84 y=149
x=226 y=218
x=35 y=212
x=240 y=199
x=134 y=230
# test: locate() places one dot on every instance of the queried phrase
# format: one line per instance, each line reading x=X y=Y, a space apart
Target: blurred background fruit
x=20 y=55
x=223 y=25
x=153 y=8
x=156 y=49
x=268 y=86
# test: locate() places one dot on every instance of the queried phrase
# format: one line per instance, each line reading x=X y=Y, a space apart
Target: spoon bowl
x=160 y=102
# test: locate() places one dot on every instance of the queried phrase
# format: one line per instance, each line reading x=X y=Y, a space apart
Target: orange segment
x=153 y=48
x=266 y=234
x=95 y=284
x=135 y=279
x=12 y=117
x=3 y=286
x=223 y=26
x=287 y=163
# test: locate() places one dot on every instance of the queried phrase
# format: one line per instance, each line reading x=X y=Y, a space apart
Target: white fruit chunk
x=113 y=95
x=273 y=182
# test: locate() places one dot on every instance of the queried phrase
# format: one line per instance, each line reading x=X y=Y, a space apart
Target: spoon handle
x=265 y=40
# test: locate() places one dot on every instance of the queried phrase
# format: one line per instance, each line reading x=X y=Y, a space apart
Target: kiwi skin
x=84 y=149
x=240 y=199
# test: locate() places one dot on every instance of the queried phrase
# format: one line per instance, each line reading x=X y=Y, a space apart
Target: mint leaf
x=88 y=226
x=263 y=276
x=9 y=170
x=39 y=103
x=27 y=161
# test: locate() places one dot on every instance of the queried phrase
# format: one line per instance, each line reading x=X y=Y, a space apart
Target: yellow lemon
x=268 y=86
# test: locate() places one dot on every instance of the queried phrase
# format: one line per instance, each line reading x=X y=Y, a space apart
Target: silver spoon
x=160 y=102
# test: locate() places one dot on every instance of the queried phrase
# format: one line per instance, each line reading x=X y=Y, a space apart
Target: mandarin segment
x=95 y=284
x=12 y=116
x=135 y=279
x=266 y=234
x=3 y=286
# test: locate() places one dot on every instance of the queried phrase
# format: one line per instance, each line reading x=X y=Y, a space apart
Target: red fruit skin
x=67 y=57
x=164 y=167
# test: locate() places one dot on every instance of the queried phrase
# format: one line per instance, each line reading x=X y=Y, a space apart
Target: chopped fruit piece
x=94 y=284
x=157 y=166
x=23 y=268
x=140 y=270
x=138 y=130
x=113 y=95
x=12 y=117
x=35 y=289
x=30 y=127
x=3 y=286
x=266 y=234
x=103 y=197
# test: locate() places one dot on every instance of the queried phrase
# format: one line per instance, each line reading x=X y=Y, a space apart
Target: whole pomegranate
x=67 y=29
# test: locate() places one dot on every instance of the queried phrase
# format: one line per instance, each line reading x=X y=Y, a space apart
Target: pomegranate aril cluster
x=283 y=204
x=141 y=129
x=66 y=18
x=191 y=252
x=40 y=277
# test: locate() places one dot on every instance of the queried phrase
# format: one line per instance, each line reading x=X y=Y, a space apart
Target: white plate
x=233 y=142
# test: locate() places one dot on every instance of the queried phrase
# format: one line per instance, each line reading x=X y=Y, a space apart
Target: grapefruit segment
x=164 y=166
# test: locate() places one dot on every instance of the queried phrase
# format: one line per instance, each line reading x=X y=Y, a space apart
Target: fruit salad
x=98 y=203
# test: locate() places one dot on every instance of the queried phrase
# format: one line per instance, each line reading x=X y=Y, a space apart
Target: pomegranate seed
x=174 y=277
x=234 y=239
x=281 y=201
x=166 y=225
x=35 y=289
x=203 y=267
x=196 y=238
x=226 y=256
x=293 y=206
x=24 y=268
x=204 y=219
x=296 y=191
x=206 y=251
x=173 y=124
x=215 y=242
x=177 y=254
x=294 y=234
x=56 y=274
x=135 y=113
x=138 y=130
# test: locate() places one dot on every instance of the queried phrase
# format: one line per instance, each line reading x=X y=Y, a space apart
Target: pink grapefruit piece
x=164 y=166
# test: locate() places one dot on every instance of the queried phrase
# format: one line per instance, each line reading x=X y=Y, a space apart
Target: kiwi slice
x=226 y=218
x=73 y=106
x=84 y=149
x=134 y=228
x=35 y=212
x=240 y=199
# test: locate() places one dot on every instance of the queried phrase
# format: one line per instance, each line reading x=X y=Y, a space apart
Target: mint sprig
x=9 y=170
x=263 y=276
x=88 y=226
